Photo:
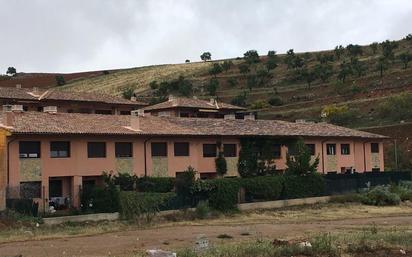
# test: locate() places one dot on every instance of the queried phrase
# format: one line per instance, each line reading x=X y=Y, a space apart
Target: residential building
x=46 y=155
x=34 y=99
x=193 y=107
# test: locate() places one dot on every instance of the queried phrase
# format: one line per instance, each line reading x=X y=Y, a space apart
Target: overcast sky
x=81 y=35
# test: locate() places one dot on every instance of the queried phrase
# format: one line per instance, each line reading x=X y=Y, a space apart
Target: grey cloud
x=66 y=36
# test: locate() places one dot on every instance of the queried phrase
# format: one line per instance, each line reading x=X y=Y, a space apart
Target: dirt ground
x=176 y=235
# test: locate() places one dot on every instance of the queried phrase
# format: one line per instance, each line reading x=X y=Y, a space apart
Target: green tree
x=206 y=56
x=408 y=37
x=212 y=86
x=271 y=64
x=382 y=65
x=232 y=82
x=358 y=67
x=153 y=85
x=405 y=58
x=354 y=50
x=11 y=71
x=339 y=51
x=251 y=57
x=301 y=163
x=325 y=58
x=226 y=65
x=262 y=76
x=128 y=92
x=271 y=54
x=324 y=71
x=240 y=100
x=215 y=69
x=290 y=57
x=60 y=80
x=388 y=48
x=252 y=82
x=309 y=76
x=374 y=46
x=345 y=71
x=244 y=68
x=220 y=162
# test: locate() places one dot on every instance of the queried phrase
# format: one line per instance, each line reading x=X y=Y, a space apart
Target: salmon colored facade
x=78 y=168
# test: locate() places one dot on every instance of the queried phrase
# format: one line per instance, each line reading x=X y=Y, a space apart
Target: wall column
x=3 y=169
x=77 y=182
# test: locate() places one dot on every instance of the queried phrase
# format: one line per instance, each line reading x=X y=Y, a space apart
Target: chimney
x=171 y=98
x=17 y=108
x=133 y=98
x=135 y=118
x=50 y=109
x=249 y=116
x=212 y=101
x=7 y=115
x=229 y=117
x=35 y=90
x=18 y=85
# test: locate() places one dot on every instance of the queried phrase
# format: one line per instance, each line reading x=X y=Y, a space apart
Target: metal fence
x=343 y=183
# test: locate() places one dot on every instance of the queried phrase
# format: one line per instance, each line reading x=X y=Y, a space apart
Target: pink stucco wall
x=79 y=166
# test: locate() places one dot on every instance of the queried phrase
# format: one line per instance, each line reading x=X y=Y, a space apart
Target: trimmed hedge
x=303 y=186
x=103 y=199
x=155 y=184
x=265 y=187
x=222 y=193
x=134 y=205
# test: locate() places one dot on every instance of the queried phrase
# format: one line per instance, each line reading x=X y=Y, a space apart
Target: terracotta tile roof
x=75 y=123
x=52 y=94
x=192 y=103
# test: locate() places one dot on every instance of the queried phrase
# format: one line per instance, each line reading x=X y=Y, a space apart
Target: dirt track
x=125 y=243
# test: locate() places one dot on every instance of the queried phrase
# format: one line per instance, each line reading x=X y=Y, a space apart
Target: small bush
x=303 y=186
x=103 y=199
x=155 y=184
x=222 y=193
x=275 y=101
x=381 y=196
x=264 y=187
x=134 y=205
x=202 y=210
x=348 y=198
x=23 y=206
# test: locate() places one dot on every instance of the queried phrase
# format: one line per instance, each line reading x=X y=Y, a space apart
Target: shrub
x=202 y=210
x=222 y=193
x=303 y=186
x=381 y=196
x=155 y=184
x=348 y=198
x=134 y=205
x=184 y=184
x=103 y=199
x=275 y=101
x=264 y=187
x=125 y=181
x=23 y=206
x=221 y=164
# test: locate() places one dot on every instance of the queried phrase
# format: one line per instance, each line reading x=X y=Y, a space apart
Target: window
x=56 y=188
x=59 y=149
x=209 y=150
x=29 y=190
x=125 y=112
x=96 y=149
x=181 y=149
x=29 y=149
x=311 y=148
x=229 y=150
x=159 y=149
x=375 y=147
x=123 y=149
x=184 y=114
x=345 y=149
x=277 y=151
x=107 y=112
x=331 y=149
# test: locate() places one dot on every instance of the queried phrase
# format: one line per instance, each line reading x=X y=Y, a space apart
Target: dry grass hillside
x=282 y=92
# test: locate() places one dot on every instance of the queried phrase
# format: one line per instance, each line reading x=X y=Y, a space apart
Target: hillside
x=292 y=97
